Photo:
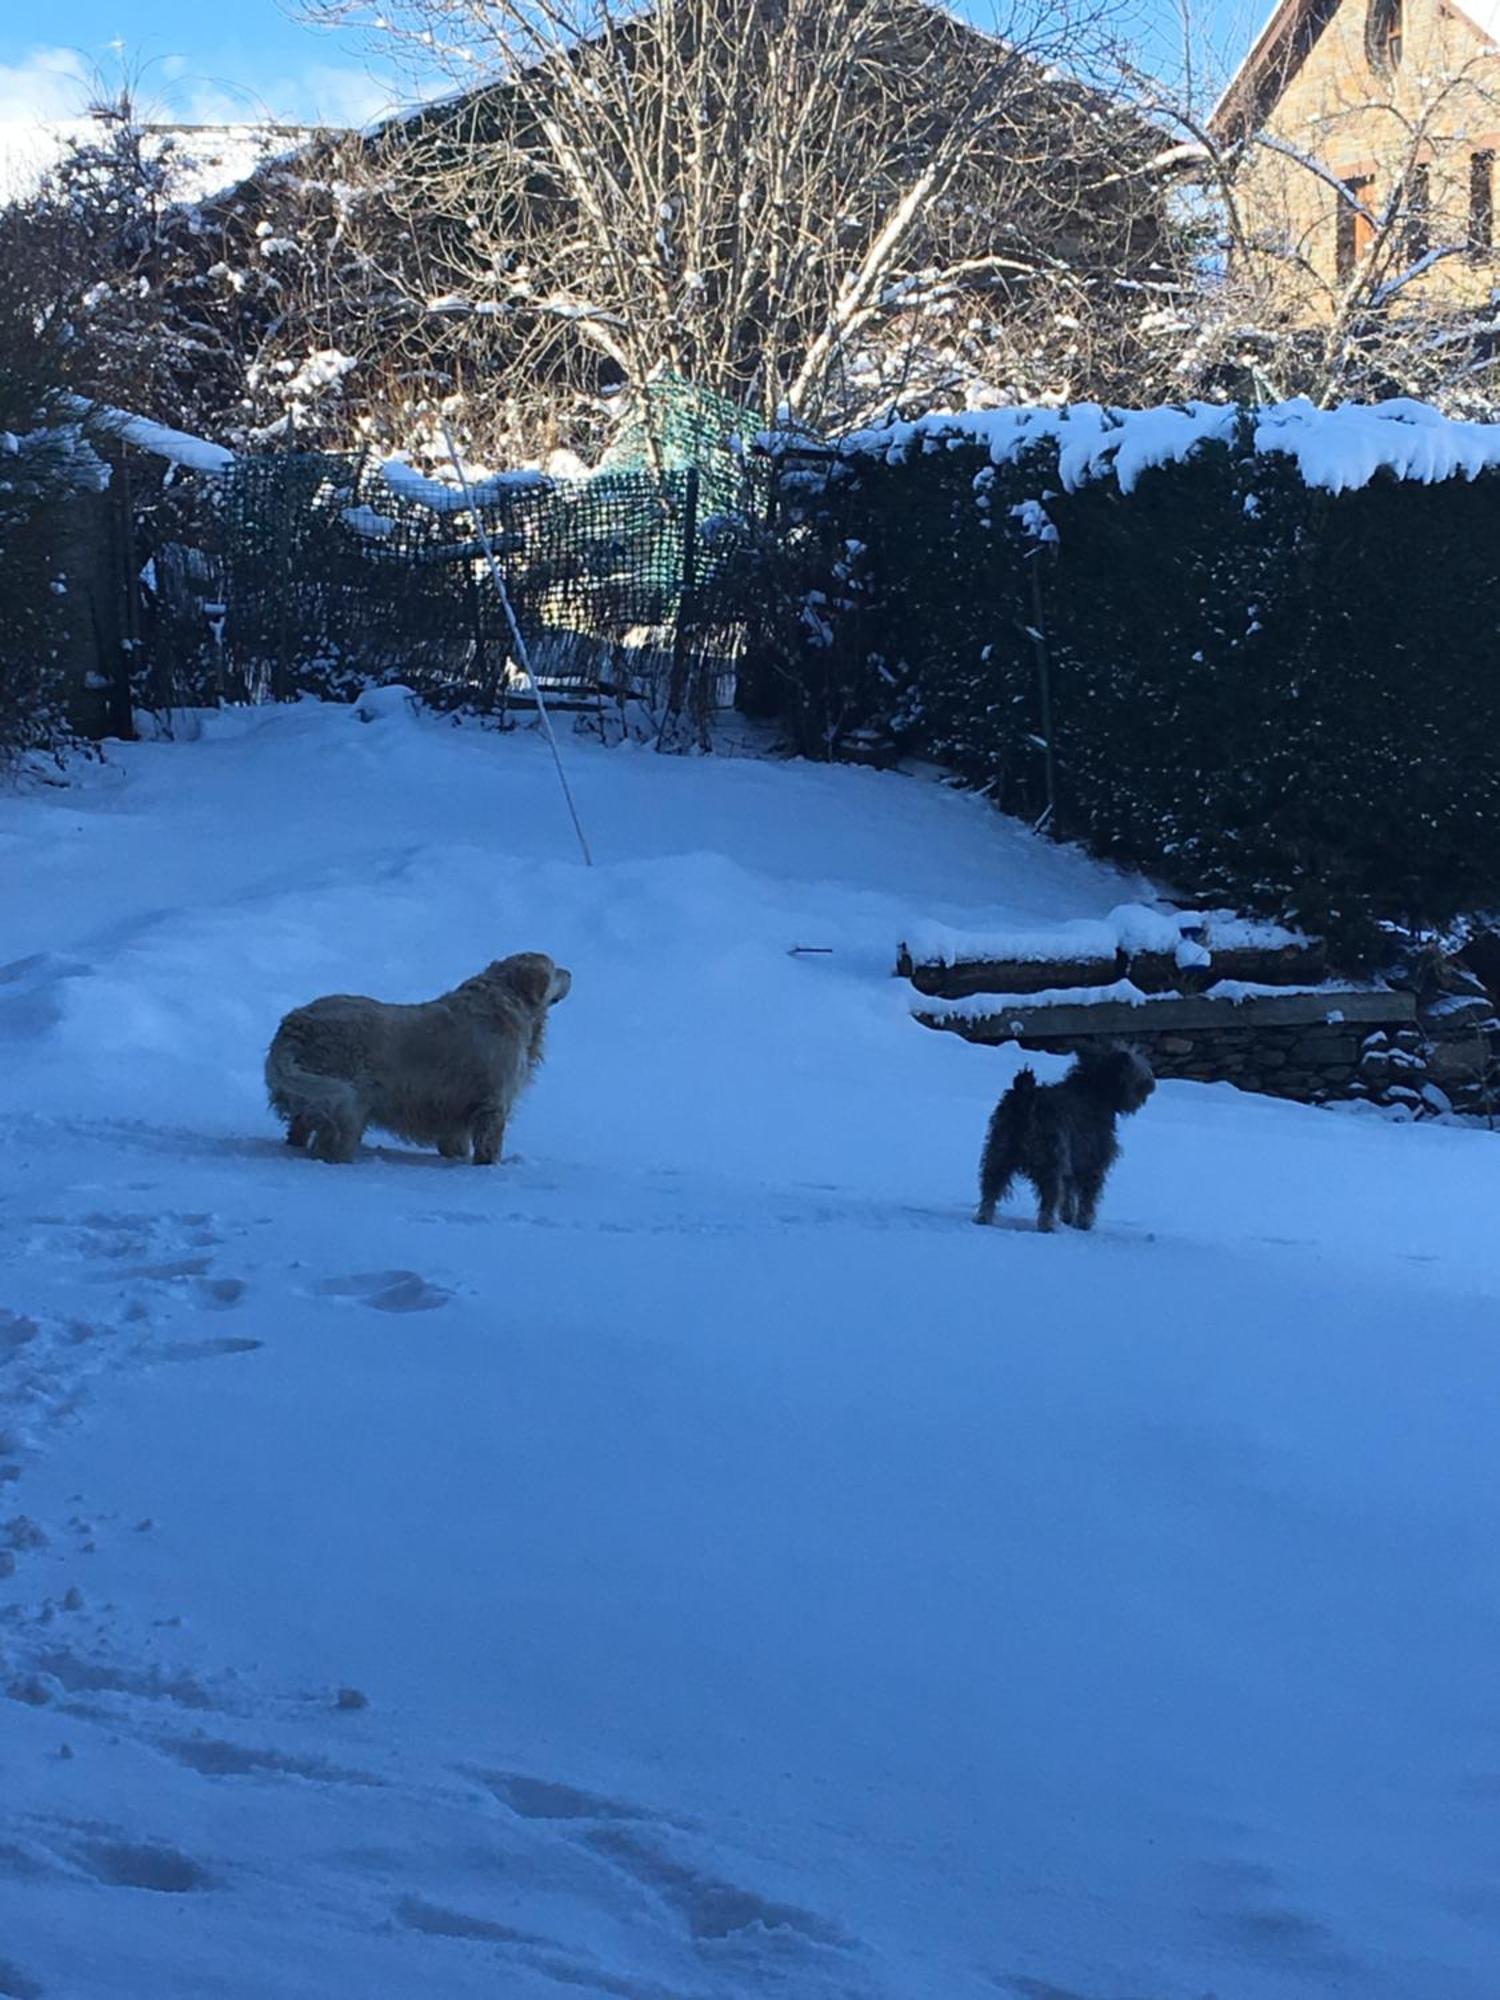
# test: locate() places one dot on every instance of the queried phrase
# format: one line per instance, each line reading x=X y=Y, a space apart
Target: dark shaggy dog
x=1061 y=1136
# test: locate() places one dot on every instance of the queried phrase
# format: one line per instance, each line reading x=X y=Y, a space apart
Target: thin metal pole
x=687 y=586
x=1044 y=690
x=519 y=644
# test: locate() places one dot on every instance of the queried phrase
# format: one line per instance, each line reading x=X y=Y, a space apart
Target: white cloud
x=56 y=83
x=50 y=83
x=315 y=94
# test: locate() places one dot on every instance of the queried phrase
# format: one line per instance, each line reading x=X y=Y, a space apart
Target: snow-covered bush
x=1253 y=650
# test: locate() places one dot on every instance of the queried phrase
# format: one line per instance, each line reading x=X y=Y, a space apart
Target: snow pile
x=691 y=1559
x=446 y=496
x=382 y=700
x=1132 y=928
x=1340 y=449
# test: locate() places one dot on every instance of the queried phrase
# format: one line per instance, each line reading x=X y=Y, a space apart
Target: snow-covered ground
x=744 y=1575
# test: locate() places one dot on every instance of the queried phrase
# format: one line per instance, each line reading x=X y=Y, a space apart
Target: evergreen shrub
x=1257 y=688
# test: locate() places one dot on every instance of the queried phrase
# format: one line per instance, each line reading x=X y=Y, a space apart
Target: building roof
x=213 y=157
x=1283 y=44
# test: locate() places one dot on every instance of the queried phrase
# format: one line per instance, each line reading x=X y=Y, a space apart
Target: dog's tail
x=322 y=1108
x=1005 y=1145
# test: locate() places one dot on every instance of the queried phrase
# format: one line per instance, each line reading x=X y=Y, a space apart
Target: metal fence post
x=677 y=691
x=1044 y=688
x=281 y=668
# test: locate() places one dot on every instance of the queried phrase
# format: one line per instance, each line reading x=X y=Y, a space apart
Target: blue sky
x=195 y=62
x=201 y=62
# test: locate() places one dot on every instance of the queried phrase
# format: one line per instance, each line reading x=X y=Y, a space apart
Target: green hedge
x=43 y=466
x=1258 y=688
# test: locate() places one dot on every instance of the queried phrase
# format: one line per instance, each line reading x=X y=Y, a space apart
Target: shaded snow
x=692 y=1561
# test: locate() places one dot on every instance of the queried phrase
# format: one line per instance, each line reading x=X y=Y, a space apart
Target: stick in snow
x=517 y=641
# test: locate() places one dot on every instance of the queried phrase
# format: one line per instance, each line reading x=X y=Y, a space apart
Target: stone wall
x=1425 y=1037
x=1310 y=1063
x=1305 y=1045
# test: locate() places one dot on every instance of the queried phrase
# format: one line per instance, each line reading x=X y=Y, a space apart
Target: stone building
x=1363 y=136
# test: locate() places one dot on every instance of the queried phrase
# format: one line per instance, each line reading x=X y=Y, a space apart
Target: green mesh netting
x=330 y=573
x=691 y=427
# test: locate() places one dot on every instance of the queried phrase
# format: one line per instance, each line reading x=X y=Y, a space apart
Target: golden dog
x=443 y=1072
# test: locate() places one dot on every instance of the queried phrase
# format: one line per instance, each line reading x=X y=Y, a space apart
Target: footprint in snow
x=217 y=1757
x=129 y=1864
x=387 y=1291
x=432 y=1920
x=16 y=1331
x=205 y=1350
x=543 y=1798
x=15 y=1985
x=32 y=999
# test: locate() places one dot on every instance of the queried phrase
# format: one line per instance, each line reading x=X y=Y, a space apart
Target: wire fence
x=301 y=572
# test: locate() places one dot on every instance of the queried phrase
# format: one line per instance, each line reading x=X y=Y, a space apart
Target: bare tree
x=829 y=209
x=805 y=205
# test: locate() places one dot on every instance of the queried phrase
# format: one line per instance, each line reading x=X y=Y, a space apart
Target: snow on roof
x=209 y=158
x=1339 y=449
x=27 y=151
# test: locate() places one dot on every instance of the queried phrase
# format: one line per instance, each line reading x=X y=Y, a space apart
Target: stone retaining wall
x=1428 y=1039
x=1301 y=1045
x=1309 y=1064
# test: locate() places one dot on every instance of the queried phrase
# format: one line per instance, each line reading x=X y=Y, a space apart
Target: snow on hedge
x=177 y=447
x=1340 y=449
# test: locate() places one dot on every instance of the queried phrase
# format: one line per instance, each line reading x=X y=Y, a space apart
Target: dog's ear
x=529 y=976
x=1137 y=1080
